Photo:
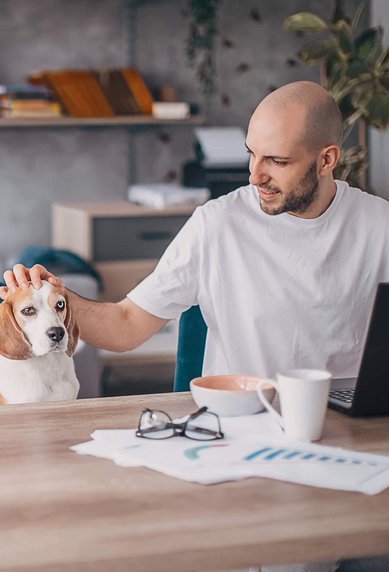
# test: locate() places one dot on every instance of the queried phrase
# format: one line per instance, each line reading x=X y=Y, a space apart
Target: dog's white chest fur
x=43 y=378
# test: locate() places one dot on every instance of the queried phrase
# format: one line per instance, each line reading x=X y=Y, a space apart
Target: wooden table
x=65 y=512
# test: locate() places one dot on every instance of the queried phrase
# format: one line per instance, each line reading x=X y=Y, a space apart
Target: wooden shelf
x=120 y=209
x=120 y=121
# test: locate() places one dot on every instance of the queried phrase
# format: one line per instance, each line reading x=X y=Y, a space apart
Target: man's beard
x=299 y=199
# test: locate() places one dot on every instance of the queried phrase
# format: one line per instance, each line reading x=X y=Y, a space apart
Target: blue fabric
x=58 y=261
x=192 y=334
x=374 y=564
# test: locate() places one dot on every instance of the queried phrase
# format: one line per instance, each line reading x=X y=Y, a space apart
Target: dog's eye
x=60 y=306
x=29 y=311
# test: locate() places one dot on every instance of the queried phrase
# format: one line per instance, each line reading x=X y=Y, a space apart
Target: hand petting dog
x=22 y=277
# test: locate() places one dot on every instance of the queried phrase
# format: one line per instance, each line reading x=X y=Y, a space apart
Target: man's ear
x=329 y=159
x=72 y=328
x=13 y=342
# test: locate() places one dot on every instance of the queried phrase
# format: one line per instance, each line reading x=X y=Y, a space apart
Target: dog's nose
x=55 y=334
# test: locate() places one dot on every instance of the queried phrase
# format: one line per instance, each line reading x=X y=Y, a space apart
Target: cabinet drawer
x=135 y=238
x=121 y=277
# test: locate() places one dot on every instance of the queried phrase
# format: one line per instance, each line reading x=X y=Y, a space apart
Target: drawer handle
x=157 y=235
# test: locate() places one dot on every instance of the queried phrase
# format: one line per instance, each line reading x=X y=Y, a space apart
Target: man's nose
x=258 y=175
x=56 y=334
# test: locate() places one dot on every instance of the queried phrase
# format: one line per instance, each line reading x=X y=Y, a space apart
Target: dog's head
x=36 y=322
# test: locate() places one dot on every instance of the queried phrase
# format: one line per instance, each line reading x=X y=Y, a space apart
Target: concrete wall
x=40 y=166
x=379 y=140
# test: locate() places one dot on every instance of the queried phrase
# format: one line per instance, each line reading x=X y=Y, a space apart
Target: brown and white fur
x=38 y=336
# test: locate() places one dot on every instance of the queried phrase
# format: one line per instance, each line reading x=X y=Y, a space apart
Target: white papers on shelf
x=170 y=110
x=222 y=146
x=253 y=446
x=162 y=195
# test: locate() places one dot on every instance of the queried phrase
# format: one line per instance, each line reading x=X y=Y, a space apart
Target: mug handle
x=271 y=409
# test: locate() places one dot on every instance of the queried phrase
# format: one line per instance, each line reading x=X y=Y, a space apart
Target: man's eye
x=60 y=306
x=29 y=311
x=281 y=163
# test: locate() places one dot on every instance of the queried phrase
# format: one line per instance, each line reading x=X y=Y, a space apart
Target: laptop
x=368 y=394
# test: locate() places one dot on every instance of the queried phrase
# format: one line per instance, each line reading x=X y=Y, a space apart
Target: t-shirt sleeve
x=173 y=286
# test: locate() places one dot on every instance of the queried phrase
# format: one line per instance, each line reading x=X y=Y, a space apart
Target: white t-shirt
x=276 y=291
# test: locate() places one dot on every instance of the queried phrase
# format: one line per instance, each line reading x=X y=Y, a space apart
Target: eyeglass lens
x=203 y=427
x=156 y=425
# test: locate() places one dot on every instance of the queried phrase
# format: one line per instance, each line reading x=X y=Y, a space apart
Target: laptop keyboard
x=345 y=395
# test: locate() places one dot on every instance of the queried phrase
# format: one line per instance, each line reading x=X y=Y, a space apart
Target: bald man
x=284 y=269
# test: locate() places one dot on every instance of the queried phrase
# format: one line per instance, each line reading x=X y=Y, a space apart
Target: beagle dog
x=38 y=336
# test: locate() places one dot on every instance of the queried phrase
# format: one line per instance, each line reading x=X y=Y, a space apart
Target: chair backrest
x=192 y=334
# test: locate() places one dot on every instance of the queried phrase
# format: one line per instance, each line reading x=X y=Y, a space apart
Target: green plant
x=355 y=69
x=200 y=40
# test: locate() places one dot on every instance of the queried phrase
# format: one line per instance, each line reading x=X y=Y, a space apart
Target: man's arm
x=118 y=327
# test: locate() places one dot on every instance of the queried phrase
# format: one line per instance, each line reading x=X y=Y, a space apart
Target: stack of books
x=27 y=101
x=98 y=93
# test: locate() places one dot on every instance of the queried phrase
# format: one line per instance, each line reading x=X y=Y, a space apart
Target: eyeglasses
x=201 y=425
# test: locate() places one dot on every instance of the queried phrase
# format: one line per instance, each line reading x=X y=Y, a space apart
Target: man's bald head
x=309 y=109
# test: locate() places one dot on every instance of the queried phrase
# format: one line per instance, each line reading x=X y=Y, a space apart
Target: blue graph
x=285 y=454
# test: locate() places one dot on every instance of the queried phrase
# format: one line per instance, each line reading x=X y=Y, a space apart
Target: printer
x=221 y=163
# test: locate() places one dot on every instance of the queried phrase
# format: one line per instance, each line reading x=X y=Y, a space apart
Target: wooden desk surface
x=64 y=512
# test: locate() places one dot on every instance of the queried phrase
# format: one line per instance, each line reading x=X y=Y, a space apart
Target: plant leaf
x=305 y=22
x=355 y=68
x=338 y=12
x=385 y=60
x=343 y=32
x=384 y=80
x=378 y=109
x=357 y=16
x=318 y=50
x=368 y=44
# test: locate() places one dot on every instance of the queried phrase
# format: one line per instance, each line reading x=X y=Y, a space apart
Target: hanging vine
x=200 y=41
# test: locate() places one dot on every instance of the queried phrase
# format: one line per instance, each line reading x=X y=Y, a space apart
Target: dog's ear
x=13 y=342
x=71 y=327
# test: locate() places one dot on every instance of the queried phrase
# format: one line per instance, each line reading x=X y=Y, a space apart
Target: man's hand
x=22 y=277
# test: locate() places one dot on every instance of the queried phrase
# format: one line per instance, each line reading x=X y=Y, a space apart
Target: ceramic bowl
x=230 y=395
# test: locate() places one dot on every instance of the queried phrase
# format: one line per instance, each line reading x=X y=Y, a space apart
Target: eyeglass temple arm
x=205 y=431
x=198 y=413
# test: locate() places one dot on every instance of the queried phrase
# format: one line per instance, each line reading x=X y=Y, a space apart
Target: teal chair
x=192 y=333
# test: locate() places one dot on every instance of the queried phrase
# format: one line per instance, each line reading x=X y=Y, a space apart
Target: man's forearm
x=118 y=326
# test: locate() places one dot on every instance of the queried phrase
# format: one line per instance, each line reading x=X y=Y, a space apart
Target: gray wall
x=40 y=166
x=379 y=140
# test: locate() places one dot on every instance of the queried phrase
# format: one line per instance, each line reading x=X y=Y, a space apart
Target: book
x=77 y=90
x=29 y=113
x=139 y=89
x=29 y=104
x=25 y=91
x=116 y=90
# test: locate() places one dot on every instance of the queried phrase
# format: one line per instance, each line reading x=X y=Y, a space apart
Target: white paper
x=163 y=195
x=253 y=446
x=222 y=146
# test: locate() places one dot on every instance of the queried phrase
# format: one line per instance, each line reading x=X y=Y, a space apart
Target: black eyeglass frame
x=179 y=429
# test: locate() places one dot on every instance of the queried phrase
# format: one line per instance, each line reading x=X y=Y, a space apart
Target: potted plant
x=355 y=69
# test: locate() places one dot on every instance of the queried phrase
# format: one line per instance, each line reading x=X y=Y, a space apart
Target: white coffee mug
x=303 y=400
